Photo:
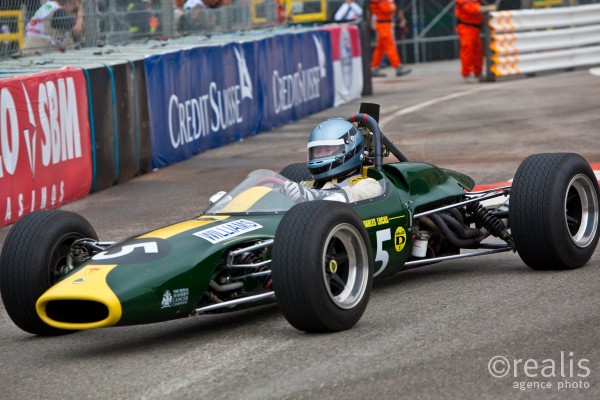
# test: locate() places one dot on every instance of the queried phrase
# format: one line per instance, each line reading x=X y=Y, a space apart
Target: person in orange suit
x=469 y=17
x=383 y=11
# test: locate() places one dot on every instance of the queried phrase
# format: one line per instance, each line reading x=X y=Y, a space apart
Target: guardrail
x=530 y=41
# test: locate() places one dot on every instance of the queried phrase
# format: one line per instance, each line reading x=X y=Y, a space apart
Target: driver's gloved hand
x=294 y=191
x=299 y=193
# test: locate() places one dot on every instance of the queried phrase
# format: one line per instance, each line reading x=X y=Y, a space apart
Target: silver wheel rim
x=581 y=210
x=345 y=256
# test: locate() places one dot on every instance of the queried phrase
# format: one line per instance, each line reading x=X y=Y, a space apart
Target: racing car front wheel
x=553 y=212
x=322 y=266
x=34 y=257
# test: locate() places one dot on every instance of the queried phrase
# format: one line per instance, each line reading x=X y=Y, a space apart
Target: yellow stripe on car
x=170 y=231
x=243 y=201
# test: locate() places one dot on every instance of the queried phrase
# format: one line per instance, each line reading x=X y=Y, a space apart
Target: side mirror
x=216 y=197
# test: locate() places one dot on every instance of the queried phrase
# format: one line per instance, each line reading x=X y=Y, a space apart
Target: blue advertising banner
x=206 y=97
x=201 y=98
x=296 y=76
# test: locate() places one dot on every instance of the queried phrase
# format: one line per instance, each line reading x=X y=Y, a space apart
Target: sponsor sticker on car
x=220 y=233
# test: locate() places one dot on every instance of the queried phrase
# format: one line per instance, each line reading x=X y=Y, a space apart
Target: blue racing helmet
x=334 y=149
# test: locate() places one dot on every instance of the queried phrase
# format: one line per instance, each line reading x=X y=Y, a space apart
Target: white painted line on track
x=424 y=104
x=595 y=71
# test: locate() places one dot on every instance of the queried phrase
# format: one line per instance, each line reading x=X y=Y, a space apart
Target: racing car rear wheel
x=322 y=266
x=34 y=257
x=296 y=172
x=554 y=211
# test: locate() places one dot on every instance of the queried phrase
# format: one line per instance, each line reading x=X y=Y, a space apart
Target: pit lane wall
x=531 y=41
x=66 y=132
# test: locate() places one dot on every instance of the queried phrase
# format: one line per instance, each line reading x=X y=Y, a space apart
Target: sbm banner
x=45 y=154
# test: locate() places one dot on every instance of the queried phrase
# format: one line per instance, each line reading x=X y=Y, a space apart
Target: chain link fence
x=431 y=35
x=67 y=24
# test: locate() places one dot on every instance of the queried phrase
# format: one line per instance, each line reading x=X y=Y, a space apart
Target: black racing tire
x=322 y=266
x=553 y=211
x=33 y=259
x=297 y=172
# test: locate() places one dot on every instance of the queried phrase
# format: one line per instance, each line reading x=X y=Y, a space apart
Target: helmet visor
x=325 y=148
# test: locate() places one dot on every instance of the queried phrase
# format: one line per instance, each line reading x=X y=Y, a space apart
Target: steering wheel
x=270 y=179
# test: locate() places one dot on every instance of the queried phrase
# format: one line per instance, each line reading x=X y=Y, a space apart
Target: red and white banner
x=347 y=63
x=45 y=151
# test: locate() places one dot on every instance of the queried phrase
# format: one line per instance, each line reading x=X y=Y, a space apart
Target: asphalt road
x=427 y=333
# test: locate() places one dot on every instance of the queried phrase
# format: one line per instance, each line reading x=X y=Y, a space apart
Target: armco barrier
x=141 y=116
x=104 y=136
x=119 y=119
x=529 y=41
x=45 y=155
x=132 y=137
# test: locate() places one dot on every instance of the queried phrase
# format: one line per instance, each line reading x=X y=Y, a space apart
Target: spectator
x=177 y=11
x=53 y=26
x=469 y=17
x=383 y=12
x=198 y=15
x=190 y=4
x=348 y=11
x=282 y=15
x=138 y=17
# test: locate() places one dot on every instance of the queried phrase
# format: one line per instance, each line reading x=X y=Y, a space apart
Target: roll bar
x=379 y=139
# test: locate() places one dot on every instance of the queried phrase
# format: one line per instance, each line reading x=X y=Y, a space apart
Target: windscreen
x=261 y=191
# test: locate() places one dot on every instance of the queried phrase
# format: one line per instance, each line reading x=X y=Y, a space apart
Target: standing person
x=51 y=27
x=348 y=11
x=469 y=17
x=383 y=11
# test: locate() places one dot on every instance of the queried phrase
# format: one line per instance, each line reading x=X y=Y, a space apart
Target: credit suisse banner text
x=206 y=97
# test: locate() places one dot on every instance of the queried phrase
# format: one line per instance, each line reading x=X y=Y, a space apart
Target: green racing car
x=317 y=259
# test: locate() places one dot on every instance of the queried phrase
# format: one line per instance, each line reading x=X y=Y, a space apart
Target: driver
x=335 y=148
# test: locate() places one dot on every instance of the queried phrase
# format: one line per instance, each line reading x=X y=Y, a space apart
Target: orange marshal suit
x=386 y=43
x=468 y=26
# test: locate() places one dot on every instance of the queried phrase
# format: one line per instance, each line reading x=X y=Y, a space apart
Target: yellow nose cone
x=81 y=301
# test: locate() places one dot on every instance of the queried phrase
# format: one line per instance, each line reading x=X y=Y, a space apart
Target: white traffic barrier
x=526 y=20
x=529 y=41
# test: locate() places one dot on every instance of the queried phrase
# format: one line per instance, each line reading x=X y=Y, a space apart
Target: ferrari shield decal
x=220 y=233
